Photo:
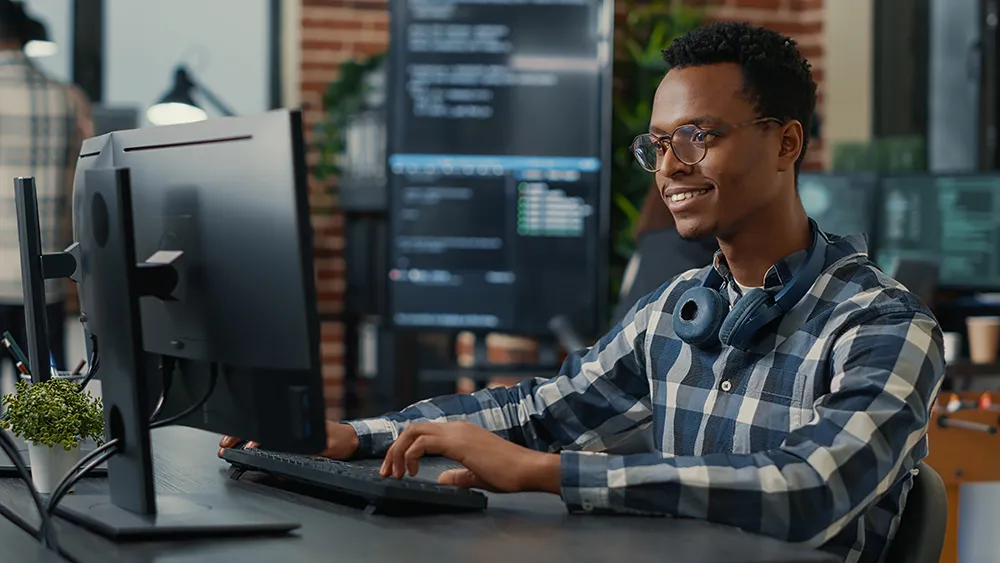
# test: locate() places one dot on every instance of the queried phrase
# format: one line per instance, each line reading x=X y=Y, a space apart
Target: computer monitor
x=499 y=165
x=108 y=119
x=952 y=219
x=216 y=216
x=841 y=203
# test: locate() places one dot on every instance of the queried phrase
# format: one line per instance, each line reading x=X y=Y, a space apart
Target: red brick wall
x=334 y=31
x=802 y=20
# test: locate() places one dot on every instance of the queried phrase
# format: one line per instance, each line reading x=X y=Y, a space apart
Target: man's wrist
x=545 y=474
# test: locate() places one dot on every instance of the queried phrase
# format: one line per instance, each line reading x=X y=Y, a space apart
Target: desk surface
x=20 y=546
x=522 y=528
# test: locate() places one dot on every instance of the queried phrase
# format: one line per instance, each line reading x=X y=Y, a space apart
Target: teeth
x=687 y=195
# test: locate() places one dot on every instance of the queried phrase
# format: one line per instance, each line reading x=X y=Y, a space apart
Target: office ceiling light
x=179 y=106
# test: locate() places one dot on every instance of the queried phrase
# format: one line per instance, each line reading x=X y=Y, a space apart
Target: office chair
x=921 y=530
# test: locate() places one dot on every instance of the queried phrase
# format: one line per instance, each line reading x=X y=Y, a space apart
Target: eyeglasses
x=687 y=141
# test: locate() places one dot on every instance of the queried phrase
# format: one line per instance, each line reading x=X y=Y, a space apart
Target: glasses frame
x=665 y=140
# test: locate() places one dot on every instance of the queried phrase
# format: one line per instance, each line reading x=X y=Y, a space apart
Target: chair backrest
x=920 y=536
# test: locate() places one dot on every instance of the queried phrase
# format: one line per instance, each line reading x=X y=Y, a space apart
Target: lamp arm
x=213 y=99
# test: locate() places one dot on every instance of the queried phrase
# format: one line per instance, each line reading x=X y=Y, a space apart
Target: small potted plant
x=53 y=417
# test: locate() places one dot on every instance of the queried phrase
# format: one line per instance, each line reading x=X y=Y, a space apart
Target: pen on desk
x=79 y=367
x=15 y=350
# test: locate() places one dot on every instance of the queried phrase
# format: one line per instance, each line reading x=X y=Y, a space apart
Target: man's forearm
x=497 y=410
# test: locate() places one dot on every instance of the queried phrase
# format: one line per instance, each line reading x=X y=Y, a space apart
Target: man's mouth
x=682 y=196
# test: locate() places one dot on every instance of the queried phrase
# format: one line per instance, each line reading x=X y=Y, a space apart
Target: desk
x=19 y=546
x=523 y=528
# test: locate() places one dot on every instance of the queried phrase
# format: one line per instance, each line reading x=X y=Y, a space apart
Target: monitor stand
x=114 y=282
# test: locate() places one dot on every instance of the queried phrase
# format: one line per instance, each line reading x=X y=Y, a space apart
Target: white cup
x=952 y=346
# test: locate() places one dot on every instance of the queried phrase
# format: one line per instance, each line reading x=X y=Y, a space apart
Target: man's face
x=738 y=176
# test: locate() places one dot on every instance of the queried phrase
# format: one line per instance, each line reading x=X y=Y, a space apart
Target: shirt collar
x=10 y=57
x=782 y=272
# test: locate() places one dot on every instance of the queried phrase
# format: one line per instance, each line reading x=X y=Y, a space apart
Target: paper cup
x=984 y=339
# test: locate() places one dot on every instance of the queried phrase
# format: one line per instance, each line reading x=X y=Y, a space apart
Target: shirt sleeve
x=862 y=439
x=599 y=397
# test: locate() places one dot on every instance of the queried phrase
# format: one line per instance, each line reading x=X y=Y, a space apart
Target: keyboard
x=360 y=483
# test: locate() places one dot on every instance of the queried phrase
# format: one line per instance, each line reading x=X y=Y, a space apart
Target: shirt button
x=726 y=386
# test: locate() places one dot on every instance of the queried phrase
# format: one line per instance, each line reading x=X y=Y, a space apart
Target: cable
x=213 y=378
x=81 y=468
x=95 y=363
x=45 y=530
x=167 y=364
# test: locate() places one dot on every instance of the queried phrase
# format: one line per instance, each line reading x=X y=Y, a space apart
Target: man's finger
x=463 y=478
x=421 y=446
x=251 y=445
x=393 y=462
x=229 y=441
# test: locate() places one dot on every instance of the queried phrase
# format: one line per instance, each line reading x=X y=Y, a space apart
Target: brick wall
x=334 y=31
x=802 y=20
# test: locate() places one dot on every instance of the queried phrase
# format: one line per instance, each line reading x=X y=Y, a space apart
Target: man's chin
x=691 y=229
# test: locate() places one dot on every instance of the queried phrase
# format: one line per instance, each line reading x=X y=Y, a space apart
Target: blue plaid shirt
x=810 y=436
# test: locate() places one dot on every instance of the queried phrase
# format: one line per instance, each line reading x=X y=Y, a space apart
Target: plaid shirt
x=810 y=436
x=42 y=124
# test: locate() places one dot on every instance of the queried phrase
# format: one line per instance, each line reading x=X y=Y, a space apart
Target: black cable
x=45 y=530
x=81 y=468
x=95 y=362
x=167 y=376
x=213 y=378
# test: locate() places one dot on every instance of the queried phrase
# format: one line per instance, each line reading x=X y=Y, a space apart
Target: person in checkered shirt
x=42 y=124
x=806 y=428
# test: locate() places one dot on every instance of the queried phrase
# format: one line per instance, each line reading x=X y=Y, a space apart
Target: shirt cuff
x=585 y=481
x=375 y=435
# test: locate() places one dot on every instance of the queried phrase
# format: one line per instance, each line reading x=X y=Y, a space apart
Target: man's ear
x=791 y=144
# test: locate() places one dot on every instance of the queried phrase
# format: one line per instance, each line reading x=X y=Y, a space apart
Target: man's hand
x=491 y=462
x=341 y=441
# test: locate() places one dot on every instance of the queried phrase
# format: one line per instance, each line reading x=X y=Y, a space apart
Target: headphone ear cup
x=731 y=332
x=698 y=316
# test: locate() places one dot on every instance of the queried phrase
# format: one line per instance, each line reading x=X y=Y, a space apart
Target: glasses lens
x=688 y=144
x=648 y=152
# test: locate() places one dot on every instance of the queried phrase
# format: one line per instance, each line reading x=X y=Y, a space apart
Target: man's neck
x=765 y=240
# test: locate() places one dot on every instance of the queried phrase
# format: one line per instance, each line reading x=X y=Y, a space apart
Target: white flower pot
x=49 y=464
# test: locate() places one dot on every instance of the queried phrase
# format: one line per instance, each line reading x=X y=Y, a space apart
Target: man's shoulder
x=858 y=289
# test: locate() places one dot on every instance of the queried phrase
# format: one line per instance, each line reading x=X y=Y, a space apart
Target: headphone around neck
x=702 y=316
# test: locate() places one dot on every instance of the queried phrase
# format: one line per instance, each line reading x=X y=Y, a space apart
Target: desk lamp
x=36 y=42
x=178 y=105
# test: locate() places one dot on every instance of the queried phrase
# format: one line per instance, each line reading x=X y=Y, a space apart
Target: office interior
x=420 y=286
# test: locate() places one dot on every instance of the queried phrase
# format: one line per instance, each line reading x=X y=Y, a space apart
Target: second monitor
x=951 y=219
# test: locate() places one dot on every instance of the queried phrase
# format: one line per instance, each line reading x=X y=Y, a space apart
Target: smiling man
x=787 y=386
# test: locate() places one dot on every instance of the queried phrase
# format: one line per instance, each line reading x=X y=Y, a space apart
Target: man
x=808 y=432
x=42 y=123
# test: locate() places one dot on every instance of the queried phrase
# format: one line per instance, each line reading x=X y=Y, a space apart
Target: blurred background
x=428 y=286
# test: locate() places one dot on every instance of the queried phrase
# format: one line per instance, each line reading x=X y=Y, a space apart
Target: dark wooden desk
x=17 y=545
x=523 y=528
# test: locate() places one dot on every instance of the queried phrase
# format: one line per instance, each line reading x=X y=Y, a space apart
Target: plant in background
x=344 y=99
x=52 y=413
x=647 y=28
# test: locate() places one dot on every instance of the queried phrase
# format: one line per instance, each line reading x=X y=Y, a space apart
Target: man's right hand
x=341 y=441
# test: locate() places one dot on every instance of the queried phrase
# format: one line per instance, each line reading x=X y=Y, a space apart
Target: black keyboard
x=359 y=482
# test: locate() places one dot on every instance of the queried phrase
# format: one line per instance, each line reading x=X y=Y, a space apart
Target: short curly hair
x=777 y=79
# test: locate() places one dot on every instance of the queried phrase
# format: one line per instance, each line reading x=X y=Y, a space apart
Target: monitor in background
x=950 y=219
x=240 y=318
x=107 y=119
x=842 y=204
x=499 y=157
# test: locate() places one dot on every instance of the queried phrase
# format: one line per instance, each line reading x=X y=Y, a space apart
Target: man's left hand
x=491 y=462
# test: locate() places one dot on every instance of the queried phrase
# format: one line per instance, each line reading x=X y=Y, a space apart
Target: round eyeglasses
x=687 y=141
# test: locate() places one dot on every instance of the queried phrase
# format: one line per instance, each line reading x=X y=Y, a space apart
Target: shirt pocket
x=779 y=402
